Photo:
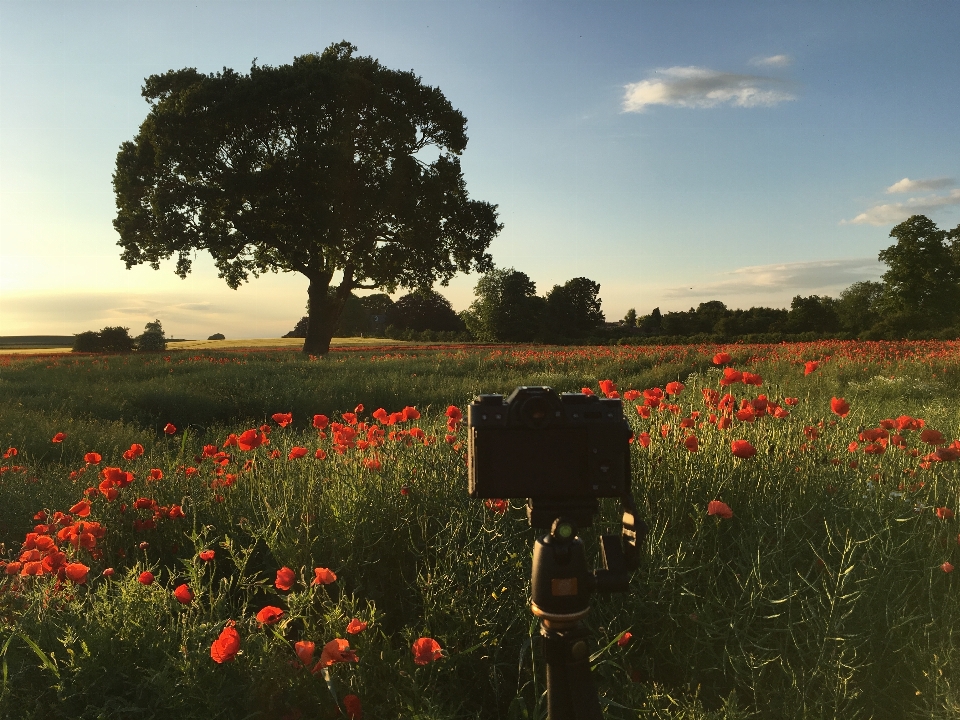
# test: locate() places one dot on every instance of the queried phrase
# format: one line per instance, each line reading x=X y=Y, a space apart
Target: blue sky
x=673 y=152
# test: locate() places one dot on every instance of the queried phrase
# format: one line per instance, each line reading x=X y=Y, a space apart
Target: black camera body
x=540 y=444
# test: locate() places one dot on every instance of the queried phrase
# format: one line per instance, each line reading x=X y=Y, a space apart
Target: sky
x=674 y=153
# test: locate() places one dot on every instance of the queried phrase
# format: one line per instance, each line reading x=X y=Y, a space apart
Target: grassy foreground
x=828 y=593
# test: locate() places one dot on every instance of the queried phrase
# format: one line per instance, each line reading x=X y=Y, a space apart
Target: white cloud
x=782 y=280
x=697 y=87
x=890 y=213
x=772 y=61
x=908 y=185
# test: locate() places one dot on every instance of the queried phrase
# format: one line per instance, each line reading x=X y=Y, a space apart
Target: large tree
x=319 y=167
x=573 y=309
x=923 y=280
x=506 y=308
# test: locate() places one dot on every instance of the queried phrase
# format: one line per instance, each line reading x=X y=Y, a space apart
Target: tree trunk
x=323 y=313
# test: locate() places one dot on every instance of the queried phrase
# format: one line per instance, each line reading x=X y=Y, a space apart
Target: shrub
x=217 y=336
x=88 y=342
x=152 y=339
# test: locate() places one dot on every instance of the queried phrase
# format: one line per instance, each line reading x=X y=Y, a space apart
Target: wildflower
x=722 y=358
x=624 y=639
x=749 y=378
x=81 y=509
x=351 y=703
x=944 y=513
x=11 y=452
x=225 y=647
x=59 y=437
x=169 y=429
x=731 y=377
x=320 y=421
x=156 y=474
x=426 y=650
x=810 y=366
x=742 y=449
x=608 y=388
x=108 y=572
x=644 y=439
x=791 y=401
x=207 y=555
x=135 y=451
x=296 y=453
x=335 y=651
x=91 y=458
x=323 y=576
x=269 y=615
x=932 y=437
x=356 y=626
x=183 y=594
x=691 y=443
x=77 y=572
x=674 y=388
x=146 y=578
x=320 y=454
x=285 y=579
x=498 y=505
x=305 y=650
x=947 y=567
x=410 y=413
x=282 y=419
x=720 y=509
x=250 y=439
x=840 y=406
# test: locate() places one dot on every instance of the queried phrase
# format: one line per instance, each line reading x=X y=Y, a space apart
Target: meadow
x=229 y=533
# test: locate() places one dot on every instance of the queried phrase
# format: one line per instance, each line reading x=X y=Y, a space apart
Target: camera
x=541 y=444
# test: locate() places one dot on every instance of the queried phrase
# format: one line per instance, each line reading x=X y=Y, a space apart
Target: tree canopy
x=316 y=167
x=506 y=308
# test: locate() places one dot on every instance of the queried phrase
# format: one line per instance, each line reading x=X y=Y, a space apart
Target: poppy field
x=259 y=534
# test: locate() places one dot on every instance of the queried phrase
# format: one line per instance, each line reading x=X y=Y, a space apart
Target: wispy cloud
x=908 y=185
x=772 y=61
x=889 y=213
x=784 y=279
x=698 y=87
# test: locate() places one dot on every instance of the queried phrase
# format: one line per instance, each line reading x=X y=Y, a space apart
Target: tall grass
x=823 y=596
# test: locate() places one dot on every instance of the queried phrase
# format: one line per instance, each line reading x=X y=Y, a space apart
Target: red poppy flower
x=296 y=453
x=644 y=439
x=156 y=474
x=169 y=429
x=674 y=388
x=92 y=458
x=320 y=454
x=426 y=650
x=587 y=391
x=720 y=509
x=607 y=387
x=59 y=437
x=944 y=513
x=624 y=639
x=791 y=401
x=146 y=578
x=77 y=572
x=810 y=366
x=691 y=443
x=498 y=505
x=269 y=615
x=225 y=647
x=932 y=437
x=454 y=414
x=250 y=439
x=731 y=376
x=749 y=378
x=207 y=555
x=304 y=650
x=722 y=358
x=81 y=509
x=351 y=703
x=947 y=567
x=11 y=452
x=183 y=594
x=323 y=576
x=286 y=578
x=742 y=449
x=840 y=406
x=107 y=572
x=335 y=651
x=356 y=626
x=282 y=419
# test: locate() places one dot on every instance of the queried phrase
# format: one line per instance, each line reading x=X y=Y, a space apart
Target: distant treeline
x=918 y=297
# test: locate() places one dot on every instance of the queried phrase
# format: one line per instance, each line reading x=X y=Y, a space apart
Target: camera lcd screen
x=517 y=462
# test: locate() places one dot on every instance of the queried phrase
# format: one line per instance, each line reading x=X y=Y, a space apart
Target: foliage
x=217 y=336
x=506 y=308
x=824 y=594
x=108 y=340
x=573 y=309
x=152 y=338
x=314 y=167
x=424 y=309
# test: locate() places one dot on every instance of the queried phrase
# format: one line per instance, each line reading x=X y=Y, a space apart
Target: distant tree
x=152 y=338
x=630 y=319
x=87 y=342
x=422 y=310
x=506 y=308
x=377 y=304
x=354 y=320
x=114 y=340
x=923 y=279
x=756 y=320
x=859 y=306
x=217 y=336
x=813 y=314
x=651 y=324
x=573 y=309
x=315 y=167
x=680 y=323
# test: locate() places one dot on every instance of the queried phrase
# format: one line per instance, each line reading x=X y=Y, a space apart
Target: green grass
x=823 y=596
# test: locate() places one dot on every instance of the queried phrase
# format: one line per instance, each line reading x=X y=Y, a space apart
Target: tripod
x=561 y=586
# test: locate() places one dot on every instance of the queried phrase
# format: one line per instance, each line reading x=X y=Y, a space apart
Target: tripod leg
x=571 y=694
